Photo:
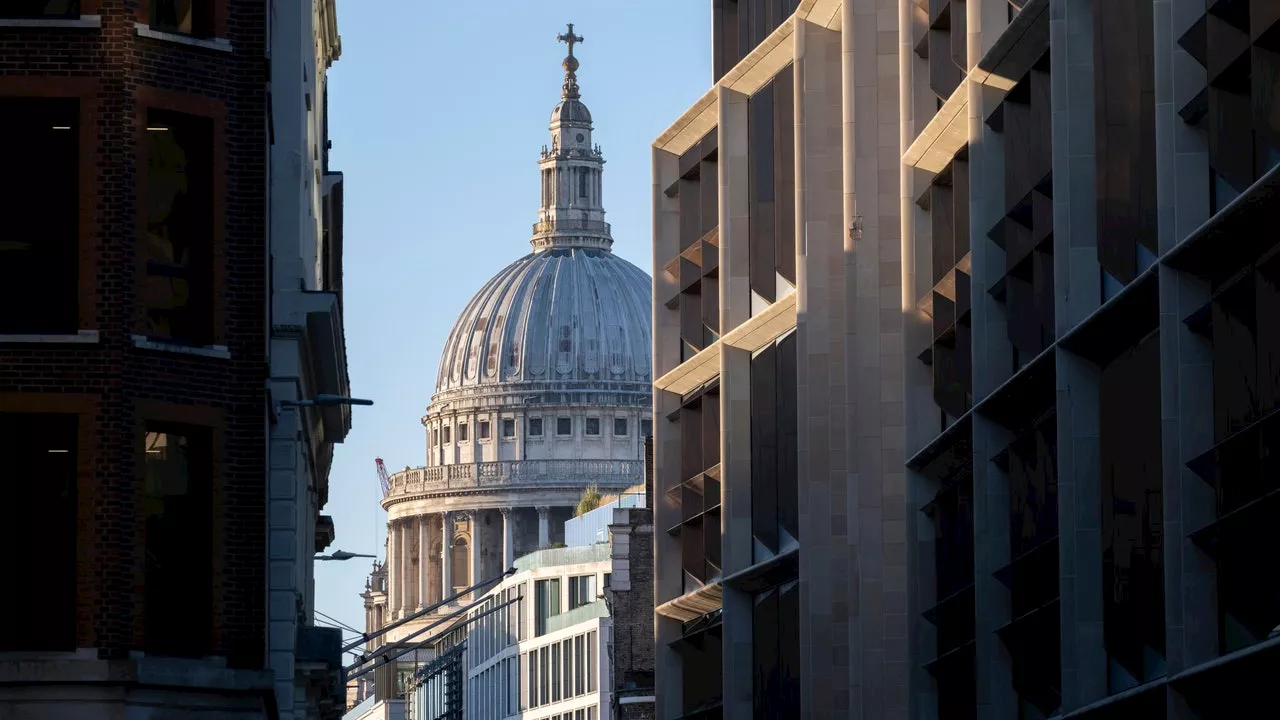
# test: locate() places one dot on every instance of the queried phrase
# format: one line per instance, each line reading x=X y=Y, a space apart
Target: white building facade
x=545 y=655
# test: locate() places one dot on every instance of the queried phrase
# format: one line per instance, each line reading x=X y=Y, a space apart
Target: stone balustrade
x=515 y=473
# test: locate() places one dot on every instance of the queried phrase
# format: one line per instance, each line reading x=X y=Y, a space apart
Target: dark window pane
x=40 y=9
x=619 y=426
x=40 y=202
x=178 y=240
x=447 y=435
x=462 y=432
x=564 y=426
x=508 y=428
x=484 y=429
x=177 y=504
x=646 y=427
x=189 y=17
x=593 y=426
x=38 y=526
x=535 y=426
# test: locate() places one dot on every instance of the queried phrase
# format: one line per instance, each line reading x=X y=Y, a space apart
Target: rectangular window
x=508 y=428
x=578 y=715
x=591 y=712
x=446 y=430
x=593 y=426
x=177 y=504
x=580 y=670
x=535 y=427
x=564 y=426
x=546 y=602
x=188 y=17
x=40 y=203
x=40 y=9
x=528 y=694
x=462 y=432
x=555 y=672
x=484 y=429
x=435 y=437
x=177 y=243
x=582 y=183
x=646 y=427
x=619 y=426
x=544 y=677
x=582 y=590
x=38 y=462
x=566 y=675
x=591 y=661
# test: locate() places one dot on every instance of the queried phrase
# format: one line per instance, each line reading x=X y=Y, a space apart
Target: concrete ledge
x=692 y=372
x=91 y=22
x=777 y=320
x=142 y=342
x=218 y=44
x=82 y=337
x=694 y=604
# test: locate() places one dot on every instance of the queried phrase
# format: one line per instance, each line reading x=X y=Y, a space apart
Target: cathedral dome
x=563 y=315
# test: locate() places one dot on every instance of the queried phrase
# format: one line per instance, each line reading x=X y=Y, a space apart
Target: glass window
x=446 y=430
x=177 y=243
x=435 y=436
x=591 y=662
x=535 y=427
x=544 y=677
x=567 y=674
x=508 y=428
x=555 y=672
x=484 y=429
x=646 y=427
x=579 y=715
x=461 y=565
x=529 y=671
x=546 y=603
x=579 y=671
x=620 y=426
x=591 y=712
x=582 y=183
x=38 y=463
x=593 y=426
x=462 y=432
x=582 y=590
x=177 y=507
x=564 y=426
x=40 y=203
x=189 y=17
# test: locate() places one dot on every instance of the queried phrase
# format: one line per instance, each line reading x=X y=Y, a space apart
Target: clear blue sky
x=437 y=114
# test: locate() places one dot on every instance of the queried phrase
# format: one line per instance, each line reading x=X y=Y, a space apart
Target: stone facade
x=784 y=592
x=630 y=595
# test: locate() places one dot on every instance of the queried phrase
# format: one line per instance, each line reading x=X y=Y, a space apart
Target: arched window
x=461 y=564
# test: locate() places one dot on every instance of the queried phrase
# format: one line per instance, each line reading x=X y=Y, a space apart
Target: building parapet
x=580 y=614
x=519 y=473
x=554 y=557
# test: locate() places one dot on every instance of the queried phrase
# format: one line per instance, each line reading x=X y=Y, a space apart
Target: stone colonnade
x=432 y=557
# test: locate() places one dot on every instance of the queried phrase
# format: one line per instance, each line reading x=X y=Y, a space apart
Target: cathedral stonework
x=544 y=389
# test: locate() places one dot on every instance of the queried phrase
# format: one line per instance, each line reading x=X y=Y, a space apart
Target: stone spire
x=572 y=214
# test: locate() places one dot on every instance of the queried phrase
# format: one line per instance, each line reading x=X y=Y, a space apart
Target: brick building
x=134 y=324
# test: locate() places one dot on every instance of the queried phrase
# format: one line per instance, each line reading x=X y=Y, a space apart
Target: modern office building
x=780 y=493
x=1089 y=254
x=543 y=390
x=141 y=324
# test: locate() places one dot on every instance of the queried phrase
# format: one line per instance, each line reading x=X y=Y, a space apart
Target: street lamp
x=343 y=555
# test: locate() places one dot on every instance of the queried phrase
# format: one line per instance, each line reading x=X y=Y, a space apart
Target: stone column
x=508 y=539
x=544 y=526
x=474 y=548
x=392 y=579
x=406 y=565
x=424 y=561
x=446 y=551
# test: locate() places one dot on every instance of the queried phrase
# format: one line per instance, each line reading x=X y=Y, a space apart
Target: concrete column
x=475 y=549
x=508 y=539
x=424 y=561
x=446 y=551
x=393 y=579
x=544 y=527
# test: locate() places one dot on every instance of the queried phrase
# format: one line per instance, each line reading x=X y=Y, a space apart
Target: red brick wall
x=110 y=68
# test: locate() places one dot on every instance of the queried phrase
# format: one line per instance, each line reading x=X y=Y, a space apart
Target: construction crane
x=383 y=477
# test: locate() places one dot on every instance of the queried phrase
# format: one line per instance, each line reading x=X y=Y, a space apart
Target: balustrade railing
x=593 y=226
x=464 y=476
